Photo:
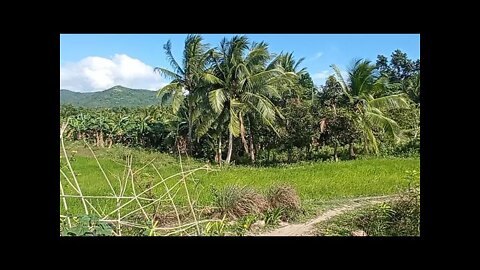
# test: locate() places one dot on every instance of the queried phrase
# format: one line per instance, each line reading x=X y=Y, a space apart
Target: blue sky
x=92 y=62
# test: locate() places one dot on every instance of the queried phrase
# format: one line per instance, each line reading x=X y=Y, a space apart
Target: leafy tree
x=365 y=91
x=298 y=124
x=185 y=91
x=411 y=87
x=399 y=68
x=306 y=83
x=339 y=128
x=332 y=95
x=243 y=87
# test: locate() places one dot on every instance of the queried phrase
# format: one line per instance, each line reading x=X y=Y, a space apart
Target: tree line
x=240 y=102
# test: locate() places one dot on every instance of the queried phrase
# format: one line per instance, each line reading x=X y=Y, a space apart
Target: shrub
x=273 y=217
x=215 y=228
x=242 y=225
x=399 y=218
x=286 y=198
x=238 y=201
x=411 y=148
x=87 y=225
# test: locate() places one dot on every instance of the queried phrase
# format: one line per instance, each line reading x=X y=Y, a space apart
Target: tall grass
x=135 y=208
x=321 y=182
x=400 y=217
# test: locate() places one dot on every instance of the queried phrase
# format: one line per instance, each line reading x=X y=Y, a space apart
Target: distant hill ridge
x=117 y=96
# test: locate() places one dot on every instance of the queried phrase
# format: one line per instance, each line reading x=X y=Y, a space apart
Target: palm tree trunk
x=242 y=133
x=252 y=146
x=365 y=146
x=190 y=127
x=352 y=151
x=100 y=137
x=219 y=151
x=335 y=153
x=230 y=146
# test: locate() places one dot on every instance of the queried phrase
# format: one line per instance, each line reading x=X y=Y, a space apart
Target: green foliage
x=399 y=68
x=215 y=228
x=186 y=94
x=243 y=224
x=240 y=94
x=339 y=128
x=273 y=216
x=239 y=102
x=369 y=98
x=332 y=95
x=410 y=148
x=149 y=127
x=397 y=218
x=402 y=70
x=308 y=87
x=312 y=180
x=86 y=225
x=409 y=122
x=298 y=126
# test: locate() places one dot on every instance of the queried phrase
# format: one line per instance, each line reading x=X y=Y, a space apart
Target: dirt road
x=306 y=229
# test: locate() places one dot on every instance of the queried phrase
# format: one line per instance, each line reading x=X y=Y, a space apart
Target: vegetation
x=398 y=218
x=117 y=96
x=276 y=137
x=239 y=201
x=87 y=225
x=270 y=111
x=318 y=181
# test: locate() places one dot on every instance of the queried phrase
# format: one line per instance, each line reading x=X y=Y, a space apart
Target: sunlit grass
x=319 y=181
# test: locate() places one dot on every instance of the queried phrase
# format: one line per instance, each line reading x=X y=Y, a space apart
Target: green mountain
x=117 y=96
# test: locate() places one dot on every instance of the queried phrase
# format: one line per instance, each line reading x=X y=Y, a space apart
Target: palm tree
x=287 y=63
x=242 y=87
x=184 y=90
x=411 y=87
x=365 y=92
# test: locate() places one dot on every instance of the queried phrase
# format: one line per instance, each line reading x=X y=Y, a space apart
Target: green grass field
x=322 y=181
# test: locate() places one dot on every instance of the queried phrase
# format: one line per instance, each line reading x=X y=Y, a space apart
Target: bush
x=87 y=225
x=243 y=224
x=399 y=218
x=284 y=197
x=238 y=201
x=410 y=148
x=273 y=217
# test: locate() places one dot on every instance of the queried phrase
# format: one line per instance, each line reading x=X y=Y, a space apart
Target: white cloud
x=316 y=56
x=322 y=74
x=95 y=73
x=319 y=78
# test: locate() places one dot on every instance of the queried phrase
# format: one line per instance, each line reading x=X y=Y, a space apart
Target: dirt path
x=305 y=229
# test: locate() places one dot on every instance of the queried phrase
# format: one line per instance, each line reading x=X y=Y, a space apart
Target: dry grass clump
x=238 y=201
x=284 y=196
